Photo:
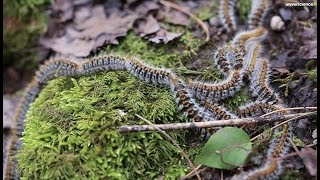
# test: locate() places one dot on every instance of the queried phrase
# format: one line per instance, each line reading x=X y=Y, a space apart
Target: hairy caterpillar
x=31 y=93
x=257 y=13
x=227 y=14
x=149 y=74
x=242 y=38
x=217 y=91
x=272 y=167
x=56 y=67
x=228 y=58
x=218 y=111
x=255 y=109
x=252 y=57
x=102 y=63
x=259 y=84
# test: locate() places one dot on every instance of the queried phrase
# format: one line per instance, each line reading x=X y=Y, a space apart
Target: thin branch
x=298 y=116
x=192 y=173
x=286 y=109
x=199 y=21
x=173 y=141
x=208 y=124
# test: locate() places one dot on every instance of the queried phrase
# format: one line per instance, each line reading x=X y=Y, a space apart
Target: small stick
x=299 y=116
x=173 y=141
x=208 y=124
x=285 y=109
x=199 y=21
x=190 y=174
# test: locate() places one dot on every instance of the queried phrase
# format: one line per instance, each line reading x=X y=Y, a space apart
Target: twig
x=192 y=173
x=208 y=124
x=199 y=21
x=221 y=174
x=293 y=145
x=300 y=115
x=286 y=109
x=173 y=141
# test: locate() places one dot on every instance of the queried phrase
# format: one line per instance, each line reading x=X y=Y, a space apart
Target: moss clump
x=24 y=22
x=244 y=9
x=169 y=55
x=312 y=74
x=71 y=130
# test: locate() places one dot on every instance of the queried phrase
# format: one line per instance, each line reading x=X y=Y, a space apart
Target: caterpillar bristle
x=258 y=11
x=217 y=91
x=219 y=112
x=227 y=14
x=242 y=38
x=255 y=109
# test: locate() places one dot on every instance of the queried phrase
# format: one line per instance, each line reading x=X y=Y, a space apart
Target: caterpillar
x=255 y=109
x=54 y=68
x=258 y=11
x=31 y=93
x=228 y=58
x=272 y=167
x=242 y=38
x=7 y=131
x=259 y=84
x=251 y=58
x=219 y=112
x=102 y=63
x=149 y=74
x=227 y=14
x=217 y=91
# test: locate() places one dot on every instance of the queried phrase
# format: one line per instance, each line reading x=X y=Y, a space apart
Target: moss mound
x=71 y=130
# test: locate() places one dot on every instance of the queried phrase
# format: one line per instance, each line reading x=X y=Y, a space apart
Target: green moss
x=312 y=74
x=244 y=9
x=24 y=22
x=237 y=99
x=205 y=13
x=71 y=130
x=170 y=55
x=291 y=174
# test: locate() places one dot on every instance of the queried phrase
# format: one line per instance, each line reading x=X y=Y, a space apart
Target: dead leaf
x=177 y=18
x=163 y=36
x=63 y=9
x=82 y=14
x=67 y=46
x=98 y=24
x=309 y=50
x=148 y=26
x=145 y=7
x=309 y=158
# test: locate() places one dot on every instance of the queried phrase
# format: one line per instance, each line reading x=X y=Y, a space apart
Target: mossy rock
x=71 y=131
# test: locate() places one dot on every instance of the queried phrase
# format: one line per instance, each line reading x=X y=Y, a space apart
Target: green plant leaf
x=228 y=148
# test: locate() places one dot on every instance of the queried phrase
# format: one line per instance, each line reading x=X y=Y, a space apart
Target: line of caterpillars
x=229 y=57
x=59 y=67
x=259 y=86
x=227 y=14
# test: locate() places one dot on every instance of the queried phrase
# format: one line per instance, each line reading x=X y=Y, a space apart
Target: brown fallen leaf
x=309 y=50
x=67 y=46
x=177 y=18
x=309 y=158
x=163 y=36
x=63 y=9
x=82 y=14
x=145 y=7
x=114 y=26
x=148 y=26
